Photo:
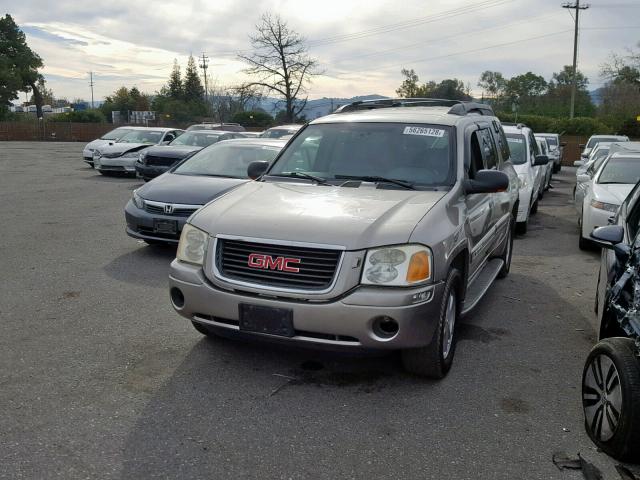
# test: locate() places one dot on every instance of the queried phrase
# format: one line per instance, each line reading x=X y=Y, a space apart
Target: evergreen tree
x=193 y=90
x=175 y=87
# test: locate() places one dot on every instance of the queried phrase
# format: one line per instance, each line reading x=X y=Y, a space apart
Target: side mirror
x=487 y=181
x=257 y=169
x=540 y=160
x=583 y=178
x=166 y=142
x=611 y=237
x=578 y=163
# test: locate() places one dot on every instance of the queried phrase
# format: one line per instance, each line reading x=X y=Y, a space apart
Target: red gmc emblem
x=267 y=262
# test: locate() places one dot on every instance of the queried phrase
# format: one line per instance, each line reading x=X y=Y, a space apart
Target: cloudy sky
x=361 y=44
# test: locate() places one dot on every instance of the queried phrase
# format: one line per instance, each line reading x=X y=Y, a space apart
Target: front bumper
x=87 y=156
x=141 y=225
x=343 y=322
x=118 y=164
x=149 y=171
x=593 y=218
x=524 y=204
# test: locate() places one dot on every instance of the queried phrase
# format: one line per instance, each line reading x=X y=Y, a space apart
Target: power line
x=204 y=67
x=575 y=6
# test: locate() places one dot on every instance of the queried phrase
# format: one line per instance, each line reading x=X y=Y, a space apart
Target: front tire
x=435 y=359
x=611 y=398
x=507 y=250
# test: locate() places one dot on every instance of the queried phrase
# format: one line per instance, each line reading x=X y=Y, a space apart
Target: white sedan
x=610 y=186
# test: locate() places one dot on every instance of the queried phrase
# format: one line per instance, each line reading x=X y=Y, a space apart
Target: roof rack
x=457 y=107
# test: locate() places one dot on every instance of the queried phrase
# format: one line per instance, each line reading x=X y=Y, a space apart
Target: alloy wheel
x=602 y=397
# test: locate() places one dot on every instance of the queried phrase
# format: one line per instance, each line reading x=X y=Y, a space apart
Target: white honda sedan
x=610 y=186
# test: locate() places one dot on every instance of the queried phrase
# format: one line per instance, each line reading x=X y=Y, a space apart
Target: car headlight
x=401 y=265
x=609 y=207
x=97 y=154
x=137 y=200
x=142 y=157
x=523 y=181
x=192 y=246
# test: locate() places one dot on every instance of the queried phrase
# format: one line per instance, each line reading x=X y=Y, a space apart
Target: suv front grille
x=317 y=267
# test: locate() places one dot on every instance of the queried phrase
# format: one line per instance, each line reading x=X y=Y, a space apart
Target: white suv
x=530 y=166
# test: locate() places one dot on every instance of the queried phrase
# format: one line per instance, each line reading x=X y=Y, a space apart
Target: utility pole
x=204 y=67
x=577 y=7
x=91 y=85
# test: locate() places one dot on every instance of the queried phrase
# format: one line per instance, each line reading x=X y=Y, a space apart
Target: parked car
x=154 y=161
x=547 y=172
x=226 y=127
x=109 y=137
x=252 y=134
x=121 y=156
x=281 y=131
x=600 y=151
x=527 y=161
x=585 y=173
x=376 y=227
x=595 y=139
x=158 y=210
x=556 y=149
x=611 y=376
x=611 y=184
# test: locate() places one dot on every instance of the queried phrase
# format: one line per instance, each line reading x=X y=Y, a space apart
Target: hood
x=187 y=189
x=117 y=149
x=97 y=143
x=354 y=218
x=168 y=151
x=612 y=192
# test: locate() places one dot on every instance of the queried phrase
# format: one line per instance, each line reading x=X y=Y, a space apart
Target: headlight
x=609 y=207
x=137 y=200
x=523 y=181
x=142 y=157
x=192 y=246
x=97 y=154
x=397 y=266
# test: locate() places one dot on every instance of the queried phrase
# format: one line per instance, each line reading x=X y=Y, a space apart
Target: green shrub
x=253 y=119
x=83 y=116
x=584 y=126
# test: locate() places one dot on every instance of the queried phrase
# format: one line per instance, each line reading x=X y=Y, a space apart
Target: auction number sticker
x=427 y=132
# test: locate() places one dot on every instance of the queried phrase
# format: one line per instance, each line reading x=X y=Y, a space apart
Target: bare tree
x=246 y=96
x=280 y=63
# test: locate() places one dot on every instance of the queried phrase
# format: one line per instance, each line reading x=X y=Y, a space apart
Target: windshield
x=115 y=134
x=142 y=136
x=552 y=141
x=518 y=146
x=621 y=170
x=196 y=139
x=226 y=160
x=594 y=141
x=417 y=154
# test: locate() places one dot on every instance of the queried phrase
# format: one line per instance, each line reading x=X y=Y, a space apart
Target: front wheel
x=507 y=250
x=435 y=359
x=611 y=397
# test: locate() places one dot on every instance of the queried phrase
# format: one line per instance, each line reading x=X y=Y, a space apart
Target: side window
x=168 y=137
x=476 y=162
x=488 y=148
x=533 y=147
x=503 y=144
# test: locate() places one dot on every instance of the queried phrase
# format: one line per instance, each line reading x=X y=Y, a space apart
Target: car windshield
x=196 y=139
x=552 y=141
x=621 y=170
x=415 y=154
x=518 y=146
x=277 y=133
x=142 y=136
x=226 y=160
x=594 y=141
x=115 y=134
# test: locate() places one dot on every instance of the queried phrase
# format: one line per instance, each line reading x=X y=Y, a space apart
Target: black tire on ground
x=91 y=165
x=556 y=168
x=431 y=361
x=611 y=382
x=583 y=243
x=203 y=329
x=534 y=208
x=521 y=227
x=507 y=250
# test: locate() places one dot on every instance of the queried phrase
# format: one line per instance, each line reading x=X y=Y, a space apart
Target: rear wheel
x=507 y=250
x=435 y=359
x=611 y=397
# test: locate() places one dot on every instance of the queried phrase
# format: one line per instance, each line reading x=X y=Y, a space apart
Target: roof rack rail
x=457 y=107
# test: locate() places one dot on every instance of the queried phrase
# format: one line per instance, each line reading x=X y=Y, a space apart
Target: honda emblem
x=168 y=209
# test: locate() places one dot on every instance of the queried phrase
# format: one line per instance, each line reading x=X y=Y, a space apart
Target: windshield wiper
x=319 y=180
x=364 y=178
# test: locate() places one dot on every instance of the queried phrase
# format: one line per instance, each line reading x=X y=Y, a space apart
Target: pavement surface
x=99 y=378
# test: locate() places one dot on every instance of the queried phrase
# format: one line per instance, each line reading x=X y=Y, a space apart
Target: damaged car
x=121 y=156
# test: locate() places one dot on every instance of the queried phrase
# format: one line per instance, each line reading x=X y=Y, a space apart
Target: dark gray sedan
x=158 y=210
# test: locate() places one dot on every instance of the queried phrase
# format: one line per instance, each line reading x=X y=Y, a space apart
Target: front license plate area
x=269 y=320
x=165 y=226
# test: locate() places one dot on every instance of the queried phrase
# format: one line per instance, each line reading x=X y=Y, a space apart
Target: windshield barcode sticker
x=427 y=132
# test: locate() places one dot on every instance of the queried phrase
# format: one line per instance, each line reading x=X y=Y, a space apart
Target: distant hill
x=316 y=108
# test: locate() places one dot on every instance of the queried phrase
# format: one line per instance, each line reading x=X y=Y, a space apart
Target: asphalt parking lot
x=99 y=378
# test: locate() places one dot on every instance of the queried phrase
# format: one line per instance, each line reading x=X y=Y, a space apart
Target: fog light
x=177 y=298
x=385 y=327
